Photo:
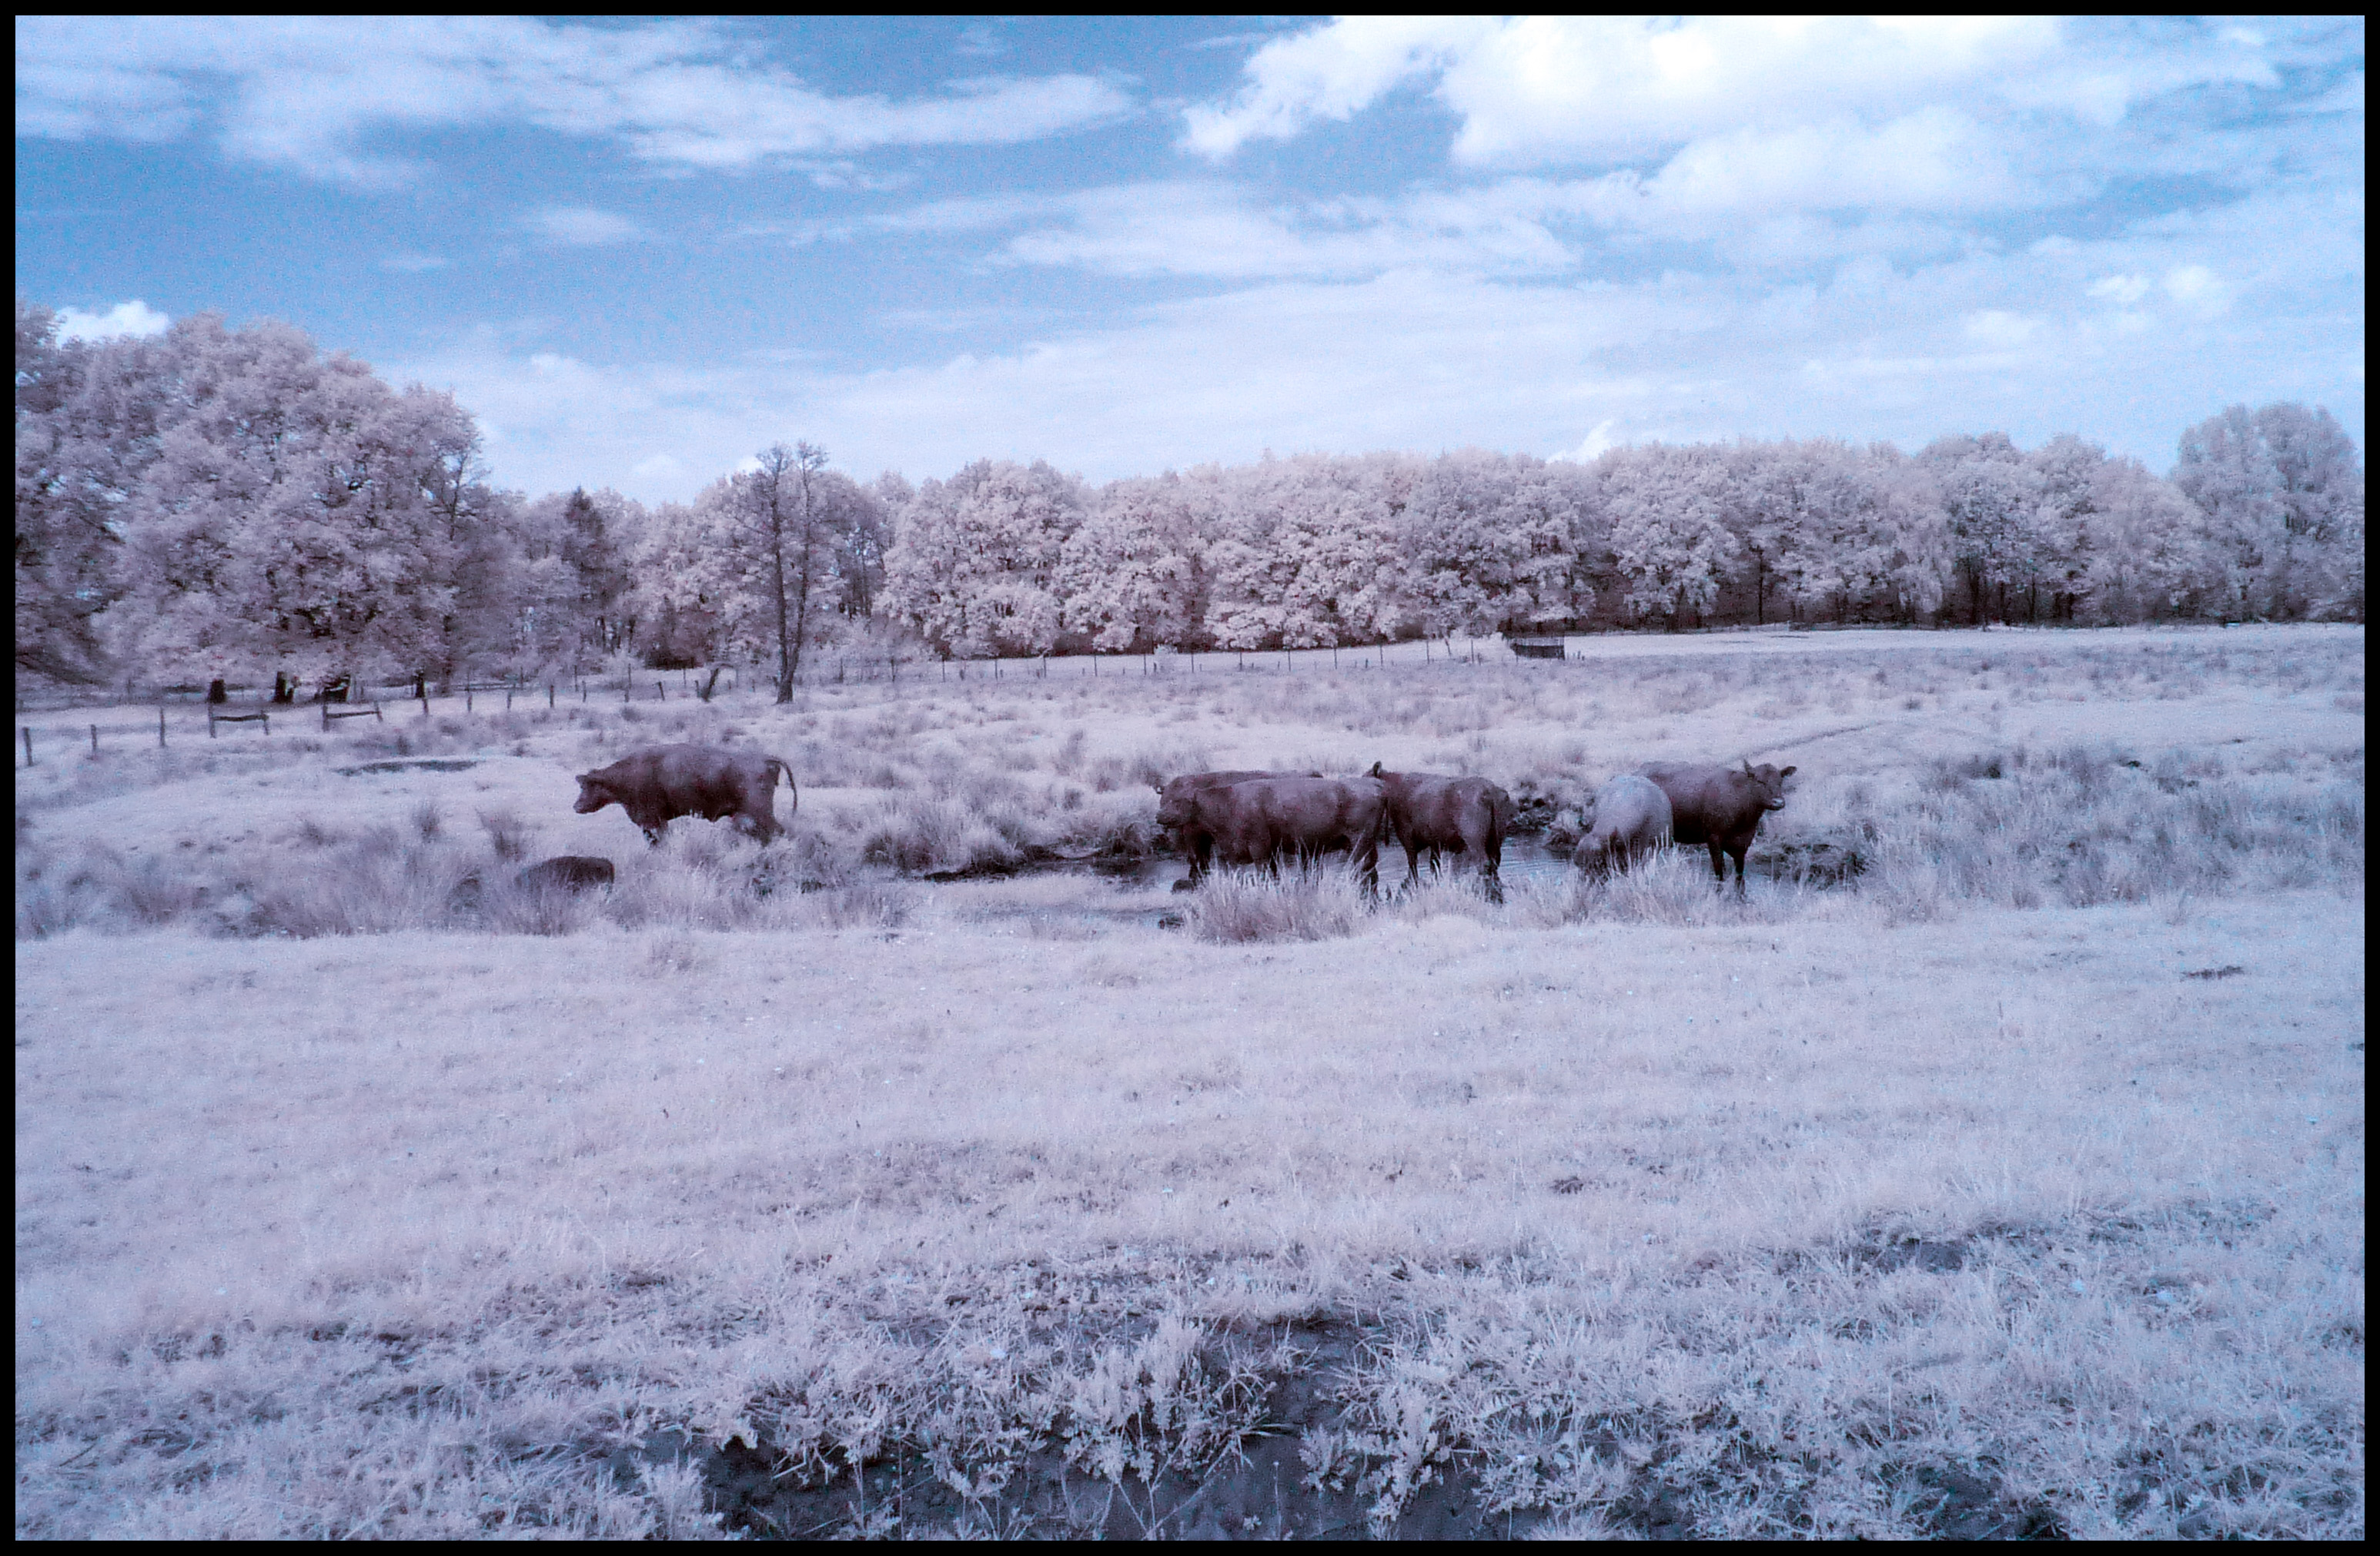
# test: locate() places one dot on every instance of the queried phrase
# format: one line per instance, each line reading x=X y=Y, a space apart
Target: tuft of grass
x=1233 y=906
x=507 y=833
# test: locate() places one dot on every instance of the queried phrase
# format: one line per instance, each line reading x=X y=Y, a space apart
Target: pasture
x=1993 y=1167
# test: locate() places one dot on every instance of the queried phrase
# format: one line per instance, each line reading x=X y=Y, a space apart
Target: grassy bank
x=2009 y=1183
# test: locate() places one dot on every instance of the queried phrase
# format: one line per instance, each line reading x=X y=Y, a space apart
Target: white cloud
x=300 y=92
x=2122 y=290
x=581 y=225
x=1595 y=88
x=1421 y=359
x=1931 y=160
x=134 y=317
x=1998 y=329
x=1572 y=88
x=2199 y=290
x=1329 y=73
x=1216 y=230
x=1601 y=438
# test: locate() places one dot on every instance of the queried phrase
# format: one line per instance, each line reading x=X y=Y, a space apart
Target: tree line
x=214 y=502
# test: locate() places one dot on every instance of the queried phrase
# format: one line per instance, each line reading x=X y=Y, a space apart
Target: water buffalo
x=567 y=872
x=1258 y=820
x=1632 y=819
x=1438 y=812
x=1720 y=806
x=659 y=783
x=1174 y=814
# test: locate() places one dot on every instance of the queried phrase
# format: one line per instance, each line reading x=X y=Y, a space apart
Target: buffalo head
x=1770 y=783
x=593 y=795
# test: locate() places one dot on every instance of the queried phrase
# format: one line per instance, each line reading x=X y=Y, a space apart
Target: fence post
x=466 y=697
x=27 y=731
x=660 y=692
x=94 y=740
x=160 y=726
x=508 y=700
x=549 y=694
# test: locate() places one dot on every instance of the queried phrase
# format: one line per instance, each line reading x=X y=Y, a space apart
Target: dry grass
x=2014 y=1184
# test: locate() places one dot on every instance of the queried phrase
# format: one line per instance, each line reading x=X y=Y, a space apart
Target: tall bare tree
x=778 y=510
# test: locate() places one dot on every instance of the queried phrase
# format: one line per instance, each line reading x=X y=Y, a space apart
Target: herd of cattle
x=1242 y=818
x=1249 y=818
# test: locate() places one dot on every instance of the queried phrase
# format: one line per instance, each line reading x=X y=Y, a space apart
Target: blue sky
x=640 y=251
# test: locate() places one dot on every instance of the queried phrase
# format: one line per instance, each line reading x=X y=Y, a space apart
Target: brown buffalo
x=1438 y=812
x=1260 y=821
x=1720 y=807
x=660 y=784
x=566 y=872
x=1176 y=815
x=1632 y=819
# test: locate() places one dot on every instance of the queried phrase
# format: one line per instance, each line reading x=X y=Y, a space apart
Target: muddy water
x=1524 y=857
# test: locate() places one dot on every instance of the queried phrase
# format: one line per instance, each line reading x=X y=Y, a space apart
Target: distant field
x=2009 y=1184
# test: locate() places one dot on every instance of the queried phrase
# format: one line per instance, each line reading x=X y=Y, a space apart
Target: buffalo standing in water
x=1720 y=807
x=1438 y=812
x=1632 y=819
x=659 y=783
x=1258 y=820
x=1174 y=813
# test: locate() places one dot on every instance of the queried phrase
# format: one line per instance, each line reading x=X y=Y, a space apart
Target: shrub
x=1234 y=905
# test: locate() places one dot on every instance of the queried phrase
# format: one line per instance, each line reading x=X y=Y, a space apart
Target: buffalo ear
x=1747 y=768
x=1787 y=773
x=1373 y=771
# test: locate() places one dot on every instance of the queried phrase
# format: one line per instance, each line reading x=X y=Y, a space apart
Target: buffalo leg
x=1413 y=864
x=1718 y=860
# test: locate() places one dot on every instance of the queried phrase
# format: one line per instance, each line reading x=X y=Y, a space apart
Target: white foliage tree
x=1992 y=496
x=1667 y=509
x=1134 y=573
x=1484 y=542
x=976 y=567
x=2283 y=492
x=301 y=516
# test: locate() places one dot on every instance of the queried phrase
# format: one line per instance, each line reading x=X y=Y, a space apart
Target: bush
x=1234 y=907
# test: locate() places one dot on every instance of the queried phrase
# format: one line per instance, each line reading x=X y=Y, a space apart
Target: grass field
x=2010 y=1184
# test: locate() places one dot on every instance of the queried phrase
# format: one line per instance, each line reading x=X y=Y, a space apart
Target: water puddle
x=413 y=764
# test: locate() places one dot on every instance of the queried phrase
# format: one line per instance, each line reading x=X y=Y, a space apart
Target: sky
x=640 y=251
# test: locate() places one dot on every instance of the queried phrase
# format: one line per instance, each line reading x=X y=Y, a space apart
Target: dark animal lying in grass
x=567 y=872
x=1260 y=821
x=1442 y=813
x=659 y=783
x=1632 y=819
x=1720 y=807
